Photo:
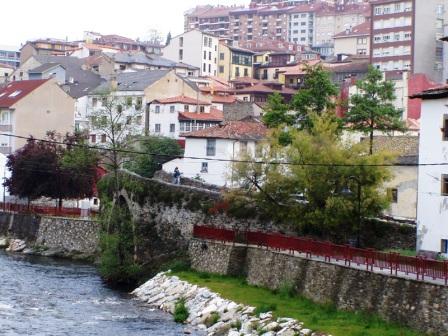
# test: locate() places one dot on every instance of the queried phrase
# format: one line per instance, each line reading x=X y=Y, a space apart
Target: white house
x=171 y=116
x=196 y=48
x=432 y=209
x=209 y=152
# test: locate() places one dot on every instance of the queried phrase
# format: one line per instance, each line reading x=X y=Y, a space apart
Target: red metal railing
x=40 y=210
x=394 y=262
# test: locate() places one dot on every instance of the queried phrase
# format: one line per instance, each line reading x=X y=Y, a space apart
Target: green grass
x=316 y=317
x=407 y=253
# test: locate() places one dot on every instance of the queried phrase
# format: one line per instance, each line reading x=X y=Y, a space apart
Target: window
x=209 y=55
x=209 y=68
x=204 y=67
x=211 y=147
x=186 y=108
x=157 y=128
x=128 y=101
x=237 y=72
x=181 y=41
x=202 y=109
x=94 y=102
x=205 y=41
x=445 y=127
x=181 y=54
x=392 y=193
x=221 y=69
x=172 y=109
x=444 y=246
x=139 y=104
x=172 y=128
x=243 y=147
x=246 y=72
x=119 y=108
x=103 y=138
x=205 y=55
x=93 y=138
x=221 y=56
x=157 y=108
x=445 y=185
x=204 y=167
x=128 y=120
x=139 y=120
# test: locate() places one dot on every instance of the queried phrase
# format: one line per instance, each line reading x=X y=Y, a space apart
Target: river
x=40 y=296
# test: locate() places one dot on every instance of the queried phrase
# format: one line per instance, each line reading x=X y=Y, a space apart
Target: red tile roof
x=14 y=91
x=235 y=130
x=223 y=99
x=213 y=115
x=360 y=30
x=181 y=100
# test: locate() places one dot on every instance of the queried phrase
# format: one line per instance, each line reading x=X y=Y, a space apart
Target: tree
x=276 y=112
x=147 y=165
x=372 y=109
x=306 y=192
x=79 y=164
x=168 y=39
x=316 y=96
x=46 y=168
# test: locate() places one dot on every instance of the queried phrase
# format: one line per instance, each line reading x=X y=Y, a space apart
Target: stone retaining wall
x=65 y=235
x=419 y=305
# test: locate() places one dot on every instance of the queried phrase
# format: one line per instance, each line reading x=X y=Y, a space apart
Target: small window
x=128 y=101
x=186 y=108
x=157 y=128
x=204 y=167
x=172 y=108
x=119 y=108
x=95 y=201
x=392 y=193
x=172 y=128
x=94 y=102
x=445 y=127
x=128 y=120
x=444 y=246
x=445 y=185
x=157 y=108
x=221 y=56
x=103 y=138
x=211 y=147
x=93 y=138
x=139 y=104
x=202 y=109
x=139 y=120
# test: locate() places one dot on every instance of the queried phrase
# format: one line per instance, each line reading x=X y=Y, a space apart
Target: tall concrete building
x=406 y=36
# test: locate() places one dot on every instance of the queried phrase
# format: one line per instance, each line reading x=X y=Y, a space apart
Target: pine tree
x=372 y=109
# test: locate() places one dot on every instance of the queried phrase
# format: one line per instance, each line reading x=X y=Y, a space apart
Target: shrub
x=180 y=311
x=212 y=319
x=286 y=290
x=265 y=308
x=236 y=325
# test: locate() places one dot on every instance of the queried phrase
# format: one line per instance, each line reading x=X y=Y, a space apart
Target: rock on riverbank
x=213 y=314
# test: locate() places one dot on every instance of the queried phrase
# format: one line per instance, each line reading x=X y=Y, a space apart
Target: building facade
x=195 y=48
x=353 y=41
x=234 y=62
x=405 y=36
x=9 y=55
x=302 y=24
x=432 y=211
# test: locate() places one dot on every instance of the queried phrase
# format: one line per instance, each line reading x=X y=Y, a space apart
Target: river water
x=41 y=296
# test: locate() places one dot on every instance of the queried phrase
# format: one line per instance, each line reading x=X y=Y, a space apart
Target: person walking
x=176 y=176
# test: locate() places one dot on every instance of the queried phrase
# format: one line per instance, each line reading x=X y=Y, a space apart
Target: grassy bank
x=317 y=317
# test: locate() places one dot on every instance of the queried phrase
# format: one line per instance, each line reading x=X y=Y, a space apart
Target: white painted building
x=301 y=25
x=172 y=116
x=432 y=209
x=204 y=149
x=195 y=48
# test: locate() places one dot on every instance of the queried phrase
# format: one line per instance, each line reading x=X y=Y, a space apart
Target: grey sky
x=61 y=19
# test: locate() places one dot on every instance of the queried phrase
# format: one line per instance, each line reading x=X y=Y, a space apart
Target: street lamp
x=349 y=193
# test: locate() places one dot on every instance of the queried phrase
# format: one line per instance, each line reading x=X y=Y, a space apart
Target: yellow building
x=234 y=62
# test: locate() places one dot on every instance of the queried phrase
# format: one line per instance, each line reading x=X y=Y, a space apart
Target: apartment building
x=302 y=24
x=195 y=48
x=333 y=19
x=210 y=19
x=405 y=36
x=49 y=47
x=269 y=22
x=234 y=62
x=353 y=41
x=9 y=55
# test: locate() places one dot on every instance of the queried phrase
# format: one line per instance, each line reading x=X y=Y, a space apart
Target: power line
x=277 y=163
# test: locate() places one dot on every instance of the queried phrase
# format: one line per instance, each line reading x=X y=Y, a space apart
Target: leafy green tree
x=372 y=108
x=276 y=112
x=147 y=165
x=317 y=96
x=307 y=192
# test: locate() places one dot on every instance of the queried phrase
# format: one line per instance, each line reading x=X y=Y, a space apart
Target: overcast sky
x=61 y=19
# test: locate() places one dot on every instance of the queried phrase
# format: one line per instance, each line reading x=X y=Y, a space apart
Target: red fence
x=41 y=210
x=419 y=266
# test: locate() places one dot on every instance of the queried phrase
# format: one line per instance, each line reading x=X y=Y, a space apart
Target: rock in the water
x=16 y=245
